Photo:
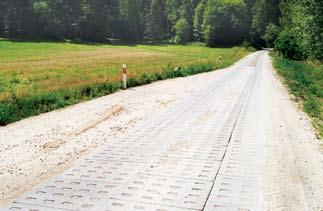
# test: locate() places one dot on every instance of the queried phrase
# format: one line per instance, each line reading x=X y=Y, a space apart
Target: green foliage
x=304 y=20
x=182 y=29
x=224 y=22
x=156 y=25
x=288 y=45
x=312 y=106
x=271 y=34
x=247 y=45
x=7 y=111
x=63 y=17
x=2 y=16
x=217 y=22
x=98 y=19
x=132 y=24
x=264 y=13
x=305 y=81
x=178 y=9
x=21 y=107
x=198 y=21
x=209 y=34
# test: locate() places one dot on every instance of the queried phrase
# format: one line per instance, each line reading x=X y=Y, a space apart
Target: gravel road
x=226 y=140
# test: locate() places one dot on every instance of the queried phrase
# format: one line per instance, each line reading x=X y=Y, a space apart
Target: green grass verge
x=305 y=81
x=41 y=77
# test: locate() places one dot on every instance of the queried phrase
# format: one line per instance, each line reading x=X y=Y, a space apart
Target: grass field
x=305 y=81
x=39 y=77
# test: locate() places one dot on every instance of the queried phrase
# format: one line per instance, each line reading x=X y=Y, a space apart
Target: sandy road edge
x=293 y=170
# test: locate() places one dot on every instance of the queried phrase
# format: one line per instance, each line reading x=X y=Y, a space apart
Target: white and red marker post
x=124 y=76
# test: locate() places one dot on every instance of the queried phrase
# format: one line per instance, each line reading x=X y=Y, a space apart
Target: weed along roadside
x=32 y=84
x=305 y=81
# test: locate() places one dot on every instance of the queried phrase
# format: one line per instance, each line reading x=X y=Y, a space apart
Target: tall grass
x=64 y=74
x=305 y=81
x=18 y=108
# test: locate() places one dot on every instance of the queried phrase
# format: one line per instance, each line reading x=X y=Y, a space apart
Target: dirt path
x=233 y=138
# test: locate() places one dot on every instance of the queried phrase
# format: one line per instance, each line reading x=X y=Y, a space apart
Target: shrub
x=312 y=106
x=288 y=45
x=132 y=82
x=145 y=78
x=271 y=34
x=6 y=112
x=182 y=30
x=247 y=45
x=209 y=34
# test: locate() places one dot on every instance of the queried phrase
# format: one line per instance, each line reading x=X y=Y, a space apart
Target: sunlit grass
x=76 y=72
x=305 y=81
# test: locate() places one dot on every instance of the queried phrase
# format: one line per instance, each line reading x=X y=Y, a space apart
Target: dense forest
x=293 y=26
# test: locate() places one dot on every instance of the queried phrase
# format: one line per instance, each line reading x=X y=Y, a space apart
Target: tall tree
x=98 y=19
x=303 y=19
x=57 y=19
x=249 y=5
x=224 y=22
x=178 y=9
x=132 y=16
x=264 y=13
x=173 y=15
x=65 y=17
x=156 y=24
x=18 y=18
x=188 y=10
x=198 y=21
x=2 y=16
x=182 y=31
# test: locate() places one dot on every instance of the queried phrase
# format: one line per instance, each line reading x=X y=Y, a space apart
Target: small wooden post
x=124 y=76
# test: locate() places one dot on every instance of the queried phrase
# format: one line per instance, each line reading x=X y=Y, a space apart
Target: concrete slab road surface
x=209 y=152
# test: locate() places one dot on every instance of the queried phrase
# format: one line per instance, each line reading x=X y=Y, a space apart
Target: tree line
x=293 y=26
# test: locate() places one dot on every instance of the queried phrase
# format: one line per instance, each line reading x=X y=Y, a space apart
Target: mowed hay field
x=40 y=77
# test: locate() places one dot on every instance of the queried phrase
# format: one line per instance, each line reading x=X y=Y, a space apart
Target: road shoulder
x=294 y=164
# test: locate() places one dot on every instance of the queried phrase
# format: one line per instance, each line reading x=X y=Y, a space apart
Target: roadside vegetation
x=297 y=41
x=305 y=82
x=40 y=77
